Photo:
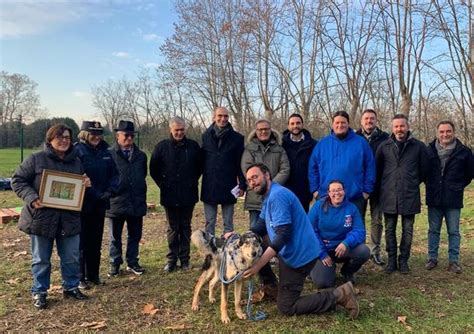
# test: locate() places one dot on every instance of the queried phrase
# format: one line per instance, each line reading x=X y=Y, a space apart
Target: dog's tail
x=203 y=241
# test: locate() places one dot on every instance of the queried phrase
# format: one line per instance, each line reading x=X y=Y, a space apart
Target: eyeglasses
x=129 y=135
x=336 y=191
x=263 y=130
x=63 y=138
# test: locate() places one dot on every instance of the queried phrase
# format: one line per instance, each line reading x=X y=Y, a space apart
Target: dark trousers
x=290 y=301
x=376 y=225
x=361 y=204
x=325 y=277
x=391 y=236
x=92 y=229
x=134 y=228
x=179 y=233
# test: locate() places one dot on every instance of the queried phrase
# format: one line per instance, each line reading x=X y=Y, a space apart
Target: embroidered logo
x=348 y=221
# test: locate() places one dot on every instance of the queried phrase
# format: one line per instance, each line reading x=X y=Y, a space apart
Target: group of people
x=280 y=175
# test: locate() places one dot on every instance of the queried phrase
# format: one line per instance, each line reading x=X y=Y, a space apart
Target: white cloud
x=121 y=54
x=151 y=37
x=80 y=94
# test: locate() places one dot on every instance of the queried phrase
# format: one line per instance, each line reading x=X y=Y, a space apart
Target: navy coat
x=447 y=189
x=221 y=166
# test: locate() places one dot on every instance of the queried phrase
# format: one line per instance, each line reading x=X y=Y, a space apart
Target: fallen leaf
x=150 y=309
x=8 y=244
x=179 y=327
x=13 y=281
x=55 y=288
x=94 y=324
x=371 y=305
x=440 y=315
x=402 y=319
x=20 y=253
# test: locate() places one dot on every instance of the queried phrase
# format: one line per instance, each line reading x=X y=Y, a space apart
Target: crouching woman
x=339 y=227
x=45 y=225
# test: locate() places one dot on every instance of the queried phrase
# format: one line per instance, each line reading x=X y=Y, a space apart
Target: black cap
x=93 y=127
x=126 y=126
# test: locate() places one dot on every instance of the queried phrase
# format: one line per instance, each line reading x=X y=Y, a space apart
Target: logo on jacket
x=348 y=221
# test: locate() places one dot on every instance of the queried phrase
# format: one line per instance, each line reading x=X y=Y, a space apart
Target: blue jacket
x=338 y=224
x=349 y=160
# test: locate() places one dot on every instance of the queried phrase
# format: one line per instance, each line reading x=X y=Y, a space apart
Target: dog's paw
x=212 y=300
x=195 y=306
x=241 y=315
x=225 y=319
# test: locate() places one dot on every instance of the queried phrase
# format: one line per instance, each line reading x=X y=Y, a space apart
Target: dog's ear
x=241 y=241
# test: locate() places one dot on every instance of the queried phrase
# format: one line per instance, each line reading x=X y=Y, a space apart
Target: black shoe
x=391 y=267
x=348 y=278
x=170 y=267
x=403 y=267
x=96 y=281
x=39 y=301
x=83 y=285
x=431 y=264
x=377 y=259
x=74 y=293
x=136 y=269
x=114 y=270
x=185 y=266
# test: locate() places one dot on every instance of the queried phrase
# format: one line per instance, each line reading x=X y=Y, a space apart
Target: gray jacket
x=46 y=222
x=273 y=155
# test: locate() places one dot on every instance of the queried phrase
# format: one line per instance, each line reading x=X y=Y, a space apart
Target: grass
x=435 y=301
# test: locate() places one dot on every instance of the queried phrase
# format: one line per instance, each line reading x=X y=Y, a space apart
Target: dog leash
x=259 y=315
x=223 y=266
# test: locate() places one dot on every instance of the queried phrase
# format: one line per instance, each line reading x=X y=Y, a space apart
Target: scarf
x=444 y=153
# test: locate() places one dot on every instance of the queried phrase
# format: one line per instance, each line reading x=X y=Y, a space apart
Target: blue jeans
x=435 y=219
x=210 y=213
x=68 y=251
x=134 y=228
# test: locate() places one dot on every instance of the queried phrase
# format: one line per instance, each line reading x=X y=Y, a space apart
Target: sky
x=67 y=47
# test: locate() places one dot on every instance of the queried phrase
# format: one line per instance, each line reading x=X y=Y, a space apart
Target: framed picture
x=62 y=190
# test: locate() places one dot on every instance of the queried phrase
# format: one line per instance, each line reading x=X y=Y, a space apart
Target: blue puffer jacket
x=349 y=160
x=338 y=224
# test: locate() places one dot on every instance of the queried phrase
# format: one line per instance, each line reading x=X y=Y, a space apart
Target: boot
x=345 y=296
x=391 y=265
x=403 y=265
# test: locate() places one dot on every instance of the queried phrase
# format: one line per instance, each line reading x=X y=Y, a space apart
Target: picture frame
x=61 y=190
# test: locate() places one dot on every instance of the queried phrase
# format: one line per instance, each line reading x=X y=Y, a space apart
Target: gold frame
x=66 y=182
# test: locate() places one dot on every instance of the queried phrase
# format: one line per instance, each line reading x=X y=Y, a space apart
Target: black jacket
x=100 y=167
x=46 y=222
x=131 y=194
x=221 y=166
x=447 y=189
x=176 y=168
x=299 y=154
x=399 y=175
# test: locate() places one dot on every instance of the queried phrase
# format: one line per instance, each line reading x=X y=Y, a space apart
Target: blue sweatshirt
x=338 y=224
x=349 y=160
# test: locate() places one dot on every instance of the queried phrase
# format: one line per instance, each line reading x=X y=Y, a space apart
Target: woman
x=100 y=168
x=341 y=232
x=44 y=225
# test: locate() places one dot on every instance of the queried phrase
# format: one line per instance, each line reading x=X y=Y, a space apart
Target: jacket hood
x=252 y=137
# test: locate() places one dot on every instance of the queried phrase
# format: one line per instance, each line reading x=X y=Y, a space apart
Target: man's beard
x=296 y=132
x=263 y=188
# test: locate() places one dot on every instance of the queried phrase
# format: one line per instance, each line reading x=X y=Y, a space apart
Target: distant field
x=10 y=159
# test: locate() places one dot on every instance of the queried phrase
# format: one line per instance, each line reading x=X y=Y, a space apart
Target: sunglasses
x=129 y=135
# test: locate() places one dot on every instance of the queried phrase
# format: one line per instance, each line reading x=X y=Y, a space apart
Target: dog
x=239 y=254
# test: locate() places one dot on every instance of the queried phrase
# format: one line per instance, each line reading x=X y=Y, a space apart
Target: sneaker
x=431 y=264
x=83 y=285
x=39 y=301
x=185 y=266
x=345 y=296
x=136 y=269
x=377 y=259
x=75 y=294
x=96 y=281
x=170 y=267
x=454 y=267
x=114 y=270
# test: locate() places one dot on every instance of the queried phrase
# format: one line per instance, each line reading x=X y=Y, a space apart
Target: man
x=292 y=238
x=222 y=149
x=264 y=145
x=298 y=145
x=374 y=137
x=451 y=170
x=129 y=204
x=175 y=166
x=401 y=167
x=346 y=157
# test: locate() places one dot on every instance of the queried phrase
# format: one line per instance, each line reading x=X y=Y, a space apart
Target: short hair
x=263 y=120
x=336 y=181
x=177 y=120
x=372 y=111
x=56 y=130
x=263 y=168
x=400 y=116
x=446 y=122
x=341 y=113
x=296 y=115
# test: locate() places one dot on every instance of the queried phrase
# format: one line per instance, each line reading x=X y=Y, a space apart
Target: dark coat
x=399 y=175
x=100 y=167
x=374 y=141
x=176 y=168
x=221 y=166
x=447 y=189
x=46 y=222
x=299 y=154
x=130 y=199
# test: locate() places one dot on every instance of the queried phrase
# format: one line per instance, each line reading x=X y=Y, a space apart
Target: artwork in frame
x=62 y=190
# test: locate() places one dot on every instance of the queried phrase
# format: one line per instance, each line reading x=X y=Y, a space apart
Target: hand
x=87 y=182
x=315 y=195
x=250 y=272
x=228 y=234
x=366 y=196
x=241 y=192
x=36 y=204
x=341 y=250
x=327 y=261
